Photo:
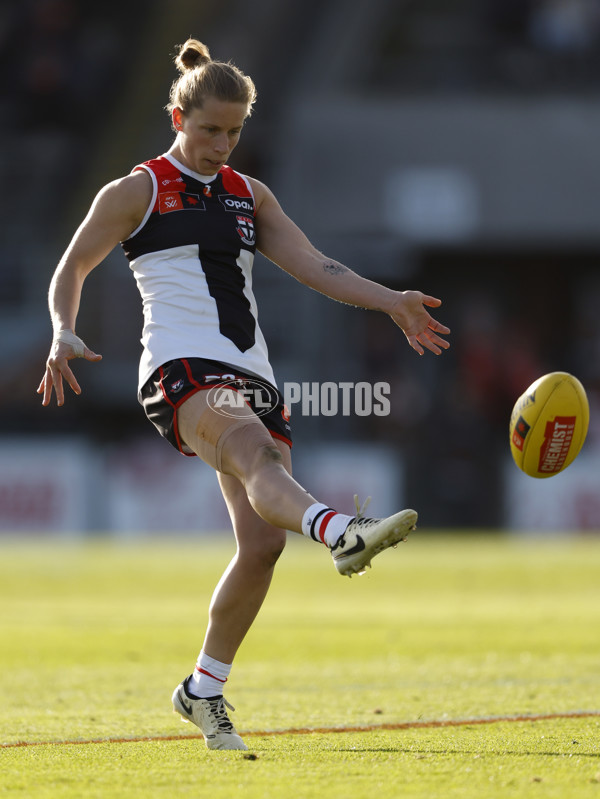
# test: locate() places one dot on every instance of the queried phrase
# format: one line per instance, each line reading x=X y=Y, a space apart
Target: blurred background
x=445 y=145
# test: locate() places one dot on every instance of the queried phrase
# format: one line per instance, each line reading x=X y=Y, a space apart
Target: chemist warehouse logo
x=557 y=442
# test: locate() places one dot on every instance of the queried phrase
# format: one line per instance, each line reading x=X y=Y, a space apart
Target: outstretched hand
x=420 y=328
x=65 y=347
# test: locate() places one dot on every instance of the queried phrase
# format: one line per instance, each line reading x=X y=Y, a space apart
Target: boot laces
x=360 y=509
x=360 y=518
x=218 y=708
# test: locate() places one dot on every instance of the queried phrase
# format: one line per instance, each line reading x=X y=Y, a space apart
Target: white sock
x=324 y=524
x=209 y=677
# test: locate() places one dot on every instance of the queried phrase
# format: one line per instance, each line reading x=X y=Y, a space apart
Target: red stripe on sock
x=208 y=674
x=324 y=522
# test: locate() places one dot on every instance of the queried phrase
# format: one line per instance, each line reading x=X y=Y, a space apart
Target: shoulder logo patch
x=169 y=201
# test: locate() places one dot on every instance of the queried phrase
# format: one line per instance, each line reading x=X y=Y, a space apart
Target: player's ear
x=177 y=118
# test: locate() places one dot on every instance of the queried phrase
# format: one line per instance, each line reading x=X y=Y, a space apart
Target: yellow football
x=549 y=424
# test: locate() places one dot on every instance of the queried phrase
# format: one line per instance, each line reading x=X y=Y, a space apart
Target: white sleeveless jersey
x=192 y=258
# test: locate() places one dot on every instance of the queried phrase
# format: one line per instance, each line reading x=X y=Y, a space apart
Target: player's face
x=208 y=135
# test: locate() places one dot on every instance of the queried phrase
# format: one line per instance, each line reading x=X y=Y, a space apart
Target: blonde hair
x=201 y=77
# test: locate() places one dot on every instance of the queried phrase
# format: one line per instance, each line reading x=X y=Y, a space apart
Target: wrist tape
x=67 y=337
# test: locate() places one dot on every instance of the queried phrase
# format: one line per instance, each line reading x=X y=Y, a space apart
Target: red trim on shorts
x=324 y=522
x=200 y=387
x=175 y=405
x=168 y=401
x=280 y=437
x=188 y=372
x=197 y=387
x=162 y=388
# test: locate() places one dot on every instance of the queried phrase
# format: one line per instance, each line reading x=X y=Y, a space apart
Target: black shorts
x=175 y=381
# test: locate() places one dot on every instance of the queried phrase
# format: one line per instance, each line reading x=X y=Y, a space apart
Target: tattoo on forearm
x=333 y=268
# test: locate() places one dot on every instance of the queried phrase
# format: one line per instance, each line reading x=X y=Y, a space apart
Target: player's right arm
x=116 y=212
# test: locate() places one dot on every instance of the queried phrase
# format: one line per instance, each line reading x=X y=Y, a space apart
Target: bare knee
x=273 y=550
x=262 y=553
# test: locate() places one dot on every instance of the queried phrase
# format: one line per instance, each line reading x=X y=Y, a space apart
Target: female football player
x=189 y=225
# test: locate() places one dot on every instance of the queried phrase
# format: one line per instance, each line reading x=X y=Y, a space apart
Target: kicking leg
x=241 y=447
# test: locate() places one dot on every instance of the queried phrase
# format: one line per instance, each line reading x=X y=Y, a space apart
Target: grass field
x=389 y=685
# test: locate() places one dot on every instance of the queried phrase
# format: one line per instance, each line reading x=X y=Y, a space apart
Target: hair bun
x=192 y=54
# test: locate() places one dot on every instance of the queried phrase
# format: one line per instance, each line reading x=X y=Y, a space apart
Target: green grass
x=94 y=637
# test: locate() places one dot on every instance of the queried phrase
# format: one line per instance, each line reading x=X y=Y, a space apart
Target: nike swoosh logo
x=359 y=546
x=187 y=709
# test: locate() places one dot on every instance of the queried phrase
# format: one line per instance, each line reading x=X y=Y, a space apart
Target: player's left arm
x=282 y=241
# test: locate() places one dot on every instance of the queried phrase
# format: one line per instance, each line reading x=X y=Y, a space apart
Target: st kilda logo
x=246 y=230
